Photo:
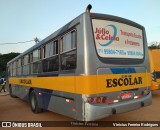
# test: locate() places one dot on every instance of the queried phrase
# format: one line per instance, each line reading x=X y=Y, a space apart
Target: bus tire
x=11 y=93
x=34 y=103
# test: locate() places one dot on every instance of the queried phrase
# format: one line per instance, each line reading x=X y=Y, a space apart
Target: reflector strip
x=69 y=100
x=40 y=93
x=113 y=101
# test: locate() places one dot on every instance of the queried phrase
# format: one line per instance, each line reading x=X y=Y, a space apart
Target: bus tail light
x=135 y=97
x=69 y=100
x=91 y=100
x=113 y=101
x=104 y=99
x=97 y=100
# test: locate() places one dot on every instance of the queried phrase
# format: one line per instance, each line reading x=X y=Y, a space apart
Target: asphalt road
x=15 y=109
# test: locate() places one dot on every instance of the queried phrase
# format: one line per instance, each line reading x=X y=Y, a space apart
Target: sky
x=23 y=20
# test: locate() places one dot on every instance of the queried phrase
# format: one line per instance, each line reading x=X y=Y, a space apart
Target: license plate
x=126 y=95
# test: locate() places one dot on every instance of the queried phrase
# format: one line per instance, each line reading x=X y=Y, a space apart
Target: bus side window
x=36 y=66
x=39 y=54
x=10 y=70
x=51 y=63
x=14 y=68
x=19 y=68
x=31 y=57
x=68 y=51
x=44 y=51
x=68 y=60
x=55 y=47
x=25 y=68
x=73 y=39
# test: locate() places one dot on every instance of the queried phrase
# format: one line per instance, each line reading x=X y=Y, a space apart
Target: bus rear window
x=117 y=40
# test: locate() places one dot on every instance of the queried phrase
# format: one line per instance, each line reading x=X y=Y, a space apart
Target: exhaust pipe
x=89 y=7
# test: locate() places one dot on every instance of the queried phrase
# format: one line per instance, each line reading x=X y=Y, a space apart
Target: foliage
x=154 y=45
x=4 y=58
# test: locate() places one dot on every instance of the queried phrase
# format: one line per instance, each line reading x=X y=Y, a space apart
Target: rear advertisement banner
x=117 y=40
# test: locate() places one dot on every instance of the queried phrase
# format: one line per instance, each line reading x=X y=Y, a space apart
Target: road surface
x=15 y=109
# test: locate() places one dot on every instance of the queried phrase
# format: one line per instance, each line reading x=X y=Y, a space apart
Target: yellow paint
x=91 y=84
x=154 y=66
x=155 y=85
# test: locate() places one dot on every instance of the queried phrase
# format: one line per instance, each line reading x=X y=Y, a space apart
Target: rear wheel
x=34 y=103
x=11 y=92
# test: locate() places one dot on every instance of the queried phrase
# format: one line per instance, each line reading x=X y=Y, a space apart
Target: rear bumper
x=93 y=112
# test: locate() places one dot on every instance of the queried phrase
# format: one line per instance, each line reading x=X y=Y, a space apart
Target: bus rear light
x=135 y=97
x=69 y=100
x=115 y=101
x=98 y=100
x=91 y=100
x=112 y=101
x=104 y=99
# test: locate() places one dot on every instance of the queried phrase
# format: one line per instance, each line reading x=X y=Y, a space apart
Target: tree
x=4 y=58
x=154 y=45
